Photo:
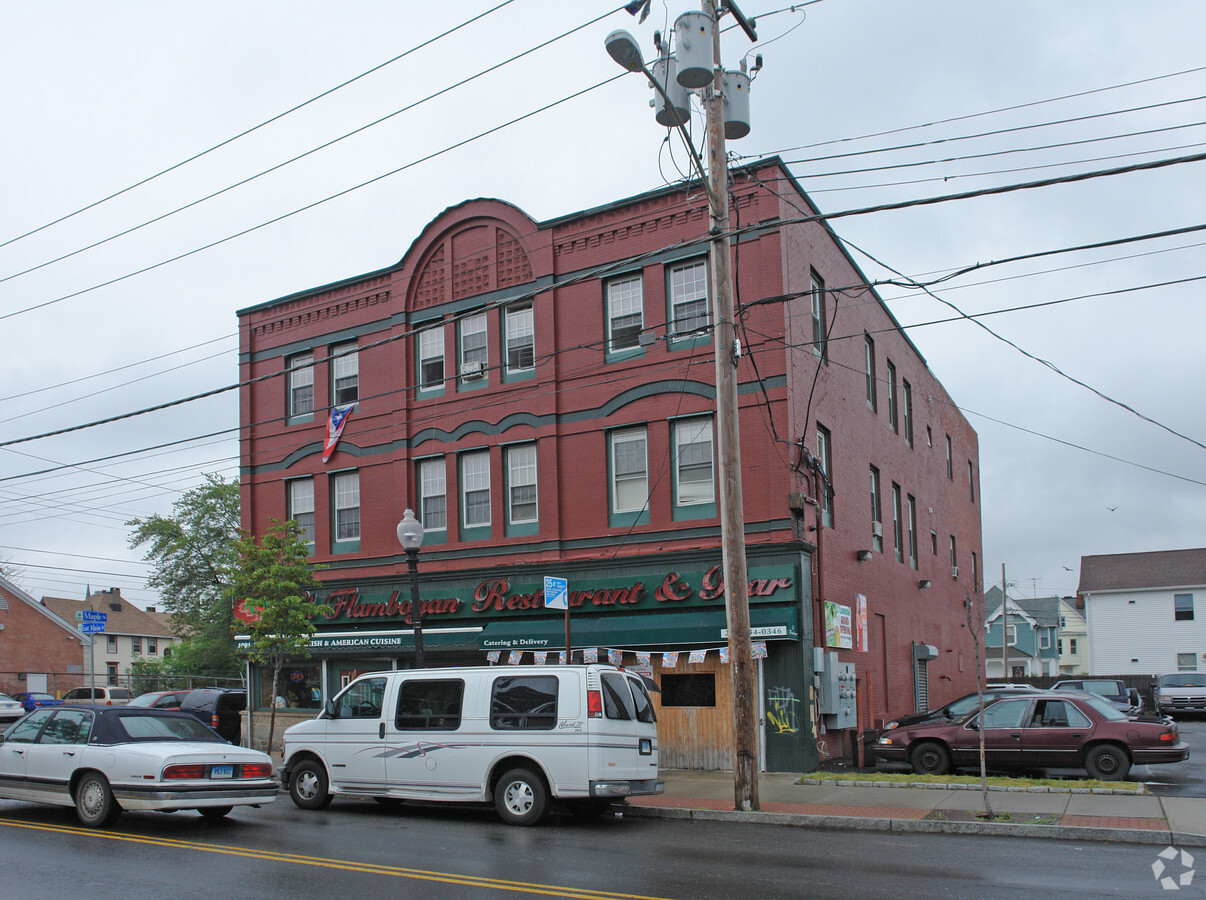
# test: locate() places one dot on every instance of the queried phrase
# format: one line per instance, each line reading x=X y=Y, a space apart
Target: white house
x=1141 y=612
x=1073 y=643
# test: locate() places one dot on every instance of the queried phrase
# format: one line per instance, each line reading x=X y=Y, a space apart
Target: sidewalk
x=861 y=804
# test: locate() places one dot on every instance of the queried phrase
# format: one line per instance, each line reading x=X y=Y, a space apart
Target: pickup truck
x=1180 y=692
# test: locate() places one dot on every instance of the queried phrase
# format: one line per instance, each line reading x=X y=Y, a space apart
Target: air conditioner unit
x=954 y=571
x=473 y=369
x=877 y=529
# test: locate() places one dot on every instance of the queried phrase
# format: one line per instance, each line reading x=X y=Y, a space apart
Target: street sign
x=556 y=593
x=93 y=615
x=92 y=627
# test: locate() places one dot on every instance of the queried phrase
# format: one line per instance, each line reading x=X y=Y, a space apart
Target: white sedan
x=106 y=759
x=10 y=709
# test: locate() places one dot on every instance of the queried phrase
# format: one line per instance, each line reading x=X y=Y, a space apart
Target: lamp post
x=706 y=74
x=410 y=536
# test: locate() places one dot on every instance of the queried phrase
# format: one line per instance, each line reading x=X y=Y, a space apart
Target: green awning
x=337 y=643
x=706 y=627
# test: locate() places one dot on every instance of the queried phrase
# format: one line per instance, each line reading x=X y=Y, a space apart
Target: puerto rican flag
x=339 y=418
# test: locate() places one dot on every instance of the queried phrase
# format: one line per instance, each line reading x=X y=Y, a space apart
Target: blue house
x=1031 y=627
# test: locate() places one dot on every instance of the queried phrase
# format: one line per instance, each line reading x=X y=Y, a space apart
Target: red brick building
x=542 y=395
x=39 y=650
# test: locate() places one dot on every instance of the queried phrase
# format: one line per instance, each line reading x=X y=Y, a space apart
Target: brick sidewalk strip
x=1115 y=822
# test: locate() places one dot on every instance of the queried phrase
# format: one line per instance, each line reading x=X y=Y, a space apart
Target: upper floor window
x=520 y=338
x=893 y=413
x=897 y=524
x=693 y=462
x=971 y=481
x=954 y=557
x=625 y=312
x=825 y=457
x=689 y=297
x=818 y=316
x=136 y=646
x=1182 y=607
x=300 y=506
x=431 y=357
x=629 y=471
x=347 y=506
x=521 y=484
x=1186 y=662
x=301 y=384
x=475 y=489
x=869 y=370
x=950 y=460
x=152 y=646
x=433 y=495
x=110 y=643
x=908 y=411
x=877 y=515
x=912 y=513
x=345 y=374
x=474 y=354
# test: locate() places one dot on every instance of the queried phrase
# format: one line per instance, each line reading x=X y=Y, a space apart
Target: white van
x=520 y=736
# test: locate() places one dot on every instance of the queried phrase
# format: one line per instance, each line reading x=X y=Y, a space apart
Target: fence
x=1141 y=683
x=58 y=683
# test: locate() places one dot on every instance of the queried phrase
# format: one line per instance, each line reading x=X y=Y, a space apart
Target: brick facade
x=35 y=644
x=486 y=256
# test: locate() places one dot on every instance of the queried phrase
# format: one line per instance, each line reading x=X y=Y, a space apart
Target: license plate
x=221 y=771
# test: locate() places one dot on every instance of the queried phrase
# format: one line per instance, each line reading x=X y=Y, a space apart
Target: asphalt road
x=359 y=850
x=1183 y=779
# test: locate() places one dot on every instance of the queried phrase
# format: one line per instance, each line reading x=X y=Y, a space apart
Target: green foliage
x=190 y=553
x=274 y=576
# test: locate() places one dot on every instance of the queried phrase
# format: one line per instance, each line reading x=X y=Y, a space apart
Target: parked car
x=218 y=708
x=521 y=737
x=161 y=699
x=1010 y=685
x=100 y=696
x=31 y=700
x=957 y=709
x=106 y=759
x=1044 y=729
x=10 y=709
x=1112 y=689
x=1180 y=692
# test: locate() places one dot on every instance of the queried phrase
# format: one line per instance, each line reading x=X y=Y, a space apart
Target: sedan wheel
x=931 y=758
x=1107 y=762
x=94 y=803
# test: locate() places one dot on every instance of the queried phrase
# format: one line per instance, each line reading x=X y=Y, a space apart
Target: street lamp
x=410 y=536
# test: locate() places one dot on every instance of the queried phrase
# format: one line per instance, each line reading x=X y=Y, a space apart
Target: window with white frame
x=954 y=554
x=897 y=524
x=136 y=646
x=300 y=502
x=893 y=406
x=1044 y=638
x=431 y=357
x=474 y=354
x=912 y=507
x=693 y=462
x=950 y=460
x=869 y=370
x=908 y=411
x=877 y=515
x=110 y=643
x=520 y=338
x=475 y=489
x=521 y=484
x=1187 y=662
x=629 y=470
x=1182 y=607
x=825 y=457
x=152 y=646
x=689 y=296
x=818 y=316
x=347 y=506
x=625 y=312
x=345 y=374
x=301 y=384
x=433 y=494
x=1011 y=635
x=1072 y=646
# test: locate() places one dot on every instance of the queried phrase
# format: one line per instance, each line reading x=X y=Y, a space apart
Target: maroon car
x=1044 y=730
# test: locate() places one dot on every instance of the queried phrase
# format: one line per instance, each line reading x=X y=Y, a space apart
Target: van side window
x=524 y=701
x=425 y=705
x=362 y=700
x=644 y=706
x=617 y=698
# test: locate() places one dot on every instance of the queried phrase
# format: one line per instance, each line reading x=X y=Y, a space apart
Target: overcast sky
x=99 y=97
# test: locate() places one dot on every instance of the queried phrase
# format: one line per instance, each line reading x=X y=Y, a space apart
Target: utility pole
x=1004 y=629
x=732 y=515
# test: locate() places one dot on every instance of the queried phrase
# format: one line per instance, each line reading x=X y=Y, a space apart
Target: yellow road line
x=346 y=865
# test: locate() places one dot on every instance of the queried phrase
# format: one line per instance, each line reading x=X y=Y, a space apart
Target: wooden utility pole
x=732 y=516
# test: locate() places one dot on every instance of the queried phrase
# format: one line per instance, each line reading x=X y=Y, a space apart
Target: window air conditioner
x=877 y=529
x=473 y=369
x=954 y=571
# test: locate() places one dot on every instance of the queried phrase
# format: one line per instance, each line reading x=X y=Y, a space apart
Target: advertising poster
x=860 y=602
x=839 y=627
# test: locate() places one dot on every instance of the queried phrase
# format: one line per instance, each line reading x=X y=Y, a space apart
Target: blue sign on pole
x=556 y=593
x=93 y=615
x=92 y=627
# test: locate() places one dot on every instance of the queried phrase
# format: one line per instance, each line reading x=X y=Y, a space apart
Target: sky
x=1082 y=374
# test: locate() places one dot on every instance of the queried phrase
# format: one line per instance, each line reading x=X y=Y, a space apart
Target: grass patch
x=994 y=780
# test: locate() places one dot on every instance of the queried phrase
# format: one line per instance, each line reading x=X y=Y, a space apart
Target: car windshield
x=144 y=700
x=167 y=728
x=7 y=697
x=1105 y=708
x=40 y=697
x=1183 y=681
x=1101 y=688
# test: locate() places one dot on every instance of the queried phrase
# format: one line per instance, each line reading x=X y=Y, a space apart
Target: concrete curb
x=923 y=826
x=1139 y=790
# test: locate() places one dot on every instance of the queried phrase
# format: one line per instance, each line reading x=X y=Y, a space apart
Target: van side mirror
x=330 y=710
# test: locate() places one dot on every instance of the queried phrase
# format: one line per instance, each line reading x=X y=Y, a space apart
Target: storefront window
x=298 y=687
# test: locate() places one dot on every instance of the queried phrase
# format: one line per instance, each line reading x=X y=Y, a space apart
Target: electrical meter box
x=838 y=694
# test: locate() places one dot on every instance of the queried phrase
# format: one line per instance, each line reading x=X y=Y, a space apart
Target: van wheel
x=308 y=786
x=1107 y=762
x=94 y=803
x=521 y=798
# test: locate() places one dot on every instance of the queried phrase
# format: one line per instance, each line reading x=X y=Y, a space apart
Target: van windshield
x=1186 y=680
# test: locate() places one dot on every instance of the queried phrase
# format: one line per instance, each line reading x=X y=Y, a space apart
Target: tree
x=975 y=624
x=190 y=553
x=273 y=583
